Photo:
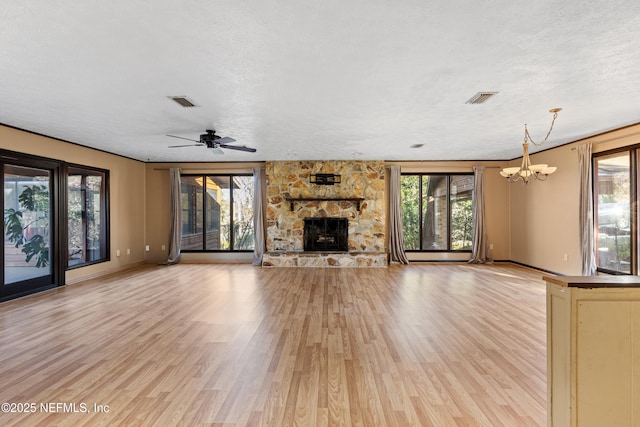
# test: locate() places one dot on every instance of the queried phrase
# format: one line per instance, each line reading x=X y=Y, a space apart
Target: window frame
x=105 y=215
x=421 y=210
x=633 y=152
x=231 y=248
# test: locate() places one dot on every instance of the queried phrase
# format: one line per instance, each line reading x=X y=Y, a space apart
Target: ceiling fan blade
x=187 y=145
x=181 y=137
x=216 y=150
x=225 y=140
x=239 y=148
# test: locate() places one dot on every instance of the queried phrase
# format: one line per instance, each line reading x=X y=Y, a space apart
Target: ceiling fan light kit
x=527 y=171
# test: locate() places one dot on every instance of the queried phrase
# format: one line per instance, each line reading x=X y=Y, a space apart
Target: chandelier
x=527 y=171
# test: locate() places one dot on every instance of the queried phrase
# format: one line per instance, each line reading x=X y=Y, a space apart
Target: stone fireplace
x=357 y=202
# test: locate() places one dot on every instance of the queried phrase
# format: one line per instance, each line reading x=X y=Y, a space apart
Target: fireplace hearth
x=326 y=234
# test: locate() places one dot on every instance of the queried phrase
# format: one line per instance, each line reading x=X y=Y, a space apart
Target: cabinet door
x=606 y=349
x=558 y=355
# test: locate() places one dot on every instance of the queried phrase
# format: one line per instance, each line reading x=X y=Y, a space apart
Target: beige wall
x=127 y=189
x=626 y=136
x=544 y=215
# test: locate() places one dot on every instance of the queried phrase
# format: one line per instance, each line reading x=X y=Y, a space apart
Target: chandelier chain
x=527 y=136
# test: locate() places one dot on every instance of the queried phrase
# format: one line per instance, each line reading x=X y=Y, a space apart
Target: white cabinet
x=593 y=351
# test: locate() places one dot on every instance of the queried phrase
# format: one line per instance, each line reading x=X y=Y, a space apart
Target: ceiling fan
x=214 y=142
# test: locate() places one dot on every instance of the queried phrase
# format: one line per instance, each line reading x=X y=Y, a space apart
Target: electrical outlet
x=118 y=252
x=566 y=257
x=490 y=246
x=128 y=251
x=163 y=247
x=146 y=248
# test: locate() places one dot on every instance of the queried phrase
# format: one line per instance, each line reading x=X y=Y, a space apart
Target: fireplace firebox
x=326 y=234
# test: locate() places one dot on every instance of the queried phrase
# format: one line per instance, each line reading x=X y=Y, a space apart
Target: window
x=615 y=175
x=217 y=212
x=437 y=212
x=87 y=216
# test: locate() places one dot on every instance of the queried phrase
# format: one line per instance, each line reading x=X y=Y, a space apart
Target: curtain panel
x=480 y=251
x=396 y=234
x=259 y=191
x=587 y=232
x=175 y=218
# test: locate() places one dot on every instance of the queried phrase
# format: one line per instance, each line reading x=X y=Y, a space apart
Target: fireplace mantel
x=292 y=200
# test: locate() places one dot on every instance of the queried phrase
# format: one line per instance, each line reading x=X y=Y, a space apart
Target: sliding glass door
x=28 y=229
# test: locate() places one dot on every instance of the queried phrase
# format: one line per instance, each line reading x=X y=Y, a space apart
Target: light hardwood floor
x=235 y=345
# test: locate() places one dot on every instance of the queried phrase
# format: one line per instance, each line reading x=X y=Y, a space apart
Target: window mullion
x=84 y=220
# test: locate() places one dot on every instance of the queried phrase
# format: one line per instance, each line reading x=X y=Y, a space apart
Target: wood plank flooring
x=238 y=345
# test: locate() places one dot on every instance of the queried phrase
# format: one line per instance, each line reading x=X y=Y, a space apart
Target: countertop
x=595 y=281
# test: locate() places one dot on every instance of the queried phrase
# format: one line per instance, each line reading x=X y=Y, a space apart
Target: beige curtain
x=175 y=232
x=259 y=190
x=480 y=251
x=587 y=233
x=396 y=235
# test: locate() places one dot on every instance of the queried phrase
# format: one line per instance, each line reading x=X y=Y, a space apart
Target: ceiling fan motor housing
x=209 y=138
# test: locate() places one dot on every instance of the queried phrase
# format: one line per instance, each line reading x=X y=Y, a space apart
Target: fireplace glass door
x=326 y=234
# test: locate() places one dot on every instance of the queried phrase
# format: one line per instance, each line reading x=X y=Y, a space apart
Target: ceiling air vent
x=480 y=97
x=183 y=101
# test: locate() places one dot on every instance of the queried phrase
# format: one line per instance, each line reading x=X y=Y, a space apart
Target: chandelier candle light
x=526 y=170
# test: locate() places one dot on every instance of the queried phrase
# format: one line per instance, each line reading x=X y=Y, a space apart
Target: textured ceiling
x=319 y=79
